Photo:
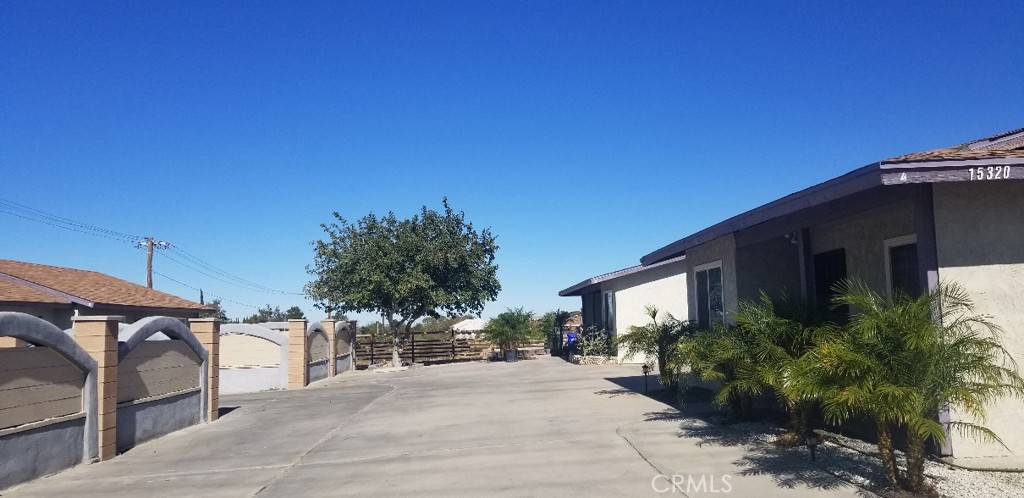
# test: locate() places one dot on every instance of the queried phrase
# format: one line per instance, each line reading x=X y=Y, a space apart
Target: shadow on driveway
x=789 y=467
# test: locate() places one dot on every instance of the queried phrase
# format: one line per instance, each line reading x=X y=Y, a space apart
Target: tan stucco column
x=207 y=330
x=98 y=336
x=11 y=342
x=332 y=346
x=298 y=354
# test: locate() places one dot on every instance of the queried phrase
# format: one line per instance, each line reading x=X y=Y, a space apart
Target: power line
x=200 y=290
x=191 y=261
x=32 y=214
x=249 y=287
x=213 y=269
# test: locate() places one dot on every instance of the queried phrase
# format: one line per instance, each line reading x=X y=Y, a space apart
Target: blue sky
x=585 y=134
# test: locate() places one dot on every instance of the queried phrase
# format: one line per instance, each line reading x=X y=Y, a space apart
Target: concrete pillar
x=207 y=330
x=11 y=342
x=98 y=336
x=350 y=342
x=332 y=346
x=298 y=354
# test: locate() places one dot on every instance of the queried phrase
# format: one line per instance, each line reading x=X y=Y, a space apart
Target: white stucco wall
x=663 y=287
x=980 y=244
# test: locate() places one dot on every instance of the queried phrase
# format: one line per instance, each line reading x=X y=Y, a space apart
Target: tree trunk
x=915 y=462
x=396 y=360
x=885 y=452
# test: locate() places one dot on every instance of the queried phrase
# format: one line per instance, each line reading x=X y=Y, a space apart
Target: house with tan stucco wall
x=951 y=214
x=618 y=300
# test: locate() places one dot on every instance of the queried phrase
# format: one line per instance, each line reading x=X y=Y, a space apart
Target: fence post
x=98 y=336
x=207 y=330
x=413 y=334
x=453 y=343
x=298 y=354
x=332 y=346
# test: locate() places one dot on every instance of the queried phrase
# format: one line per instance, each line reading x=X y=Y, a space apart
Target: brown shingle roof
x=1008 y=144
x=91 y=286
x=15 y=293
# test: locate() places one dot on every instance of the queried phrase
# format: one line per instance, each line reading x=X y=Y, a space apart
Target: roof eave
x=47 y=290
x=857 y=180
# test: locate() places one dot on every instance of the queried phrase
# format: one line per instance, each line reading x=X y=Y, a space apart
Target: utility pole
x=149 y=243
x=149 y=262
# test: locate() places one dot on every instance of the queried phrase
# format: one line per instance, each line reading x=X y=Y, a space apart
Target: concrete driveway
x=532 y=428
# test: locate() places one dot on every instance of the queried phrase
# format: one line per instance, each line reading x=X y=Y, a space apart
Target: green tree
x=511 y=329
x=294 y=313
x=902 y=361
x=218 y=311
x=266 y=314
x=404 y=270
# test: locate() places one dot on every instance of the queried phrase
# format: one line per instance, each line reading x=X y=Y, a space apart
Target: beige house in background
x=953 y=214
x=618 y=300
x=56 y=294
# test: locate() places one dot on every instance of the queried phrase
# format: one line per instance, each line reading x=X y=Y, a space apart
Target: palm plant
x=511 y=329
x=778 y=334
x=656 y=339
x=902 y=361
x=724 y=354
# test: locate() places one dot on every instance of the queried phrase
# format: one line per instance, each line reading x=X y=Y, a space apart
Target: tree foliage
x=218 y=311
x=898 y=361
x=431 y=264
x=511 y=329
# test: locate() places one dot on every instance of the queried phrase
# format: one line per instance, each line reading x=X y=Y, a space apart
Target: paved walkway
x=532 y=428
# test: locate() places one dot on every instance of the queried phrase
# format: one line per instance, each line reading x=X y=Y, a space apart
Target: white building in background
x=618 y=300
x=470 y=328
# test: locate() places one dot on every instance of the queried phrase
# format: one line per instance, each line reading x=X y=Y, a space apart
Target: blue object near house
x=571 y=338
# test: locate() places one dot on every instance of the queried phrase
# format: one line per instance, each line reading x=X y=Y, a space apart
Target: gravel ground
x=853 y=461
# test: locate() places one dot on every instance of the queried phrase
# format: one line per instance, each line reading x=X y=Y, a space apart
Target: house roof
x=1004 y=148
x=34 y=283
x=589 y=284
x=1009 y=144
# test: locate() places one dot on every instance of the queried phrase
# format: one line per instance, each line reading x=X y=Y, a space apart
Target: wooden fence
x=426 y=348
x=420 y=348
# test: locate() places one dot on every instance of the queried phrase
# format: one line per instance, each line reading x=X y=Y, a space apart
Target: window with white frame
x=901 y=271
x=710 y=304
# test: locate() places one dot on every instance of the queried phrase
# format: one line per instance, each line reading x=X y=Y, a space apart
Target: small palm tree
x=725 y=354
x=511 y=329
x=656 y=339
x=902 y=361
x=780 y=333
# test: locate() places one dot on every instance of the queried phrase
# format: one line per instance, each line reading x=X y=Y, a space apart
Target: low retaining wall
x=48 y=405
x=35 y=452
x=343 y=363
x=141 y=421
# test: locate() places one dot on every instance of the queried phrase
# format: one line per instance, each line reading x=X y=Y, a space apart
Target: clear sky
x=585 y=134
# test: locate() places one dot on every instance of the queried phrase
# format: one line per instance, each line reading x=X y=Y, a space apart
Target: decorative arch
x=173 y=328
x=263 y=333
x=318 y=368
x=39 y=332
x=255 y=331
